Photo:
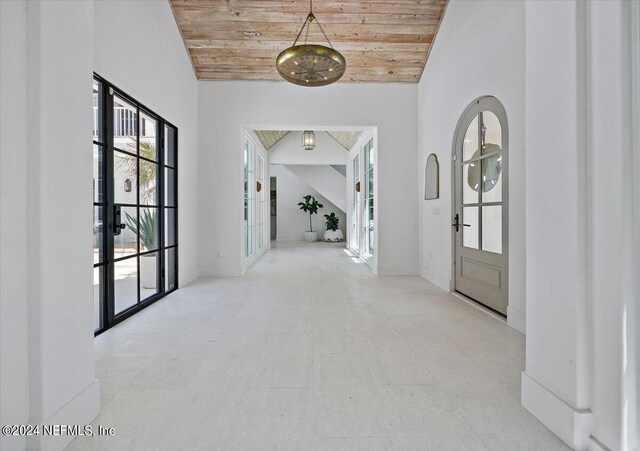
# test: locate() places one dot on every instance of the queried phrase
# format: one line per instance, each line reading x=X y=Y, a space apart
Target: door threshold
x=480 y=306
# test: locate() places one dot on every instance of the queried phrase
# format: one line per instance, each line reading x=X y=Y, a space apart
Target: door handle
x=456 y=223
x=118 y=226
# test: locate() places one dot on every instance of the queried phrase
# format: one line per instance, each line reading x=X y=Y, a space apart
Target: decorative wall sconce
x=357 y=187
x=432 y=178
x=127 y=185
x=258 y=186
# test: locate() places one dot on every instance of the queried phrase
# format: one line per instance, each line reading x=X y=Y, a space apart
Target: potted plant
x=149 y=238
x=333 y=233
x=311 y=206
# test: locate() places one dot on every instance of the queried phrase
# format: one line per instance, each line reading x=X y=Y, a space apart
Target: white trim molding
x=572 y=425
x=80 y=410
x=517 y=320
x=438 y=280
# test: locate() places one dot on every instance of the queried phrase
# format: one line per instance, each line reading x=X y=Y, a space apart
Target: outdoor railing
x=125 y=122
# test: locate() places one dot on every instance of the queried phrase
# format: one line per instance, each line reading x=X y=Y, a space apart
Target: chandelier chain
x=300 y=32
x=306 y=38
x=323 y=33
x=307 y=23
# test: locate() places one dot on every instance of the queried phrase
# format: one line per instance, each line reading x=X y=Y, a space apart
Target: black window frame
x=105 y=142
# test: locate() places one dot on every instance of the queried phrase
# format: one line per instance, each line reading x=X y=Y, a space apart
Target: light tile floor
x=308 y=351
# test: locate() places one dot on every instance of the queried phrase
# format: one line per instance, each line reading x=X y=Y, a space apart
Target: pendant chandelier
x=311 y=64
x=308 y=140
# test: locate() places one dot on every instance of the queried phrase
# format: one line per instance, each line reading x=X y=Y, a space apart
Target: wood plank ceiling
x=382 y=40
x=346 y=139
x=270 y=138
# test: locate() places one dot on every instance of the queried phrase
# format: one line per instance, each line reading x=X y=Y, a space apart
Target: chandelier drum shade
x=308 y=140
x=311 y=64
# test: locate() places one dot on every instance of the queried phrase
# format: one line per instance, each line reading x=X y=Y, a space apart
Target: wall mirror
x=432 y=178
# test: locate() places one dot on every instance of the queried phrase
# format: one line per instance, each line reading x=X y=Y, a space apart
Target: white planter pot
x=333 y=235
x=310 y=237
x=148 y=271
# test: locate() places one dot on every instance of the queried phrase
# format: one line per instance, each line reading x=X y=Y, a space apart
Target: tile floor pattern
x=311 y=351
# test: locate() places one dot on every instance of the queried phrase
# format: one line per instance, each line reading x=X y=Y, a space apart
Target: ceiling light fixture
x=311 y=64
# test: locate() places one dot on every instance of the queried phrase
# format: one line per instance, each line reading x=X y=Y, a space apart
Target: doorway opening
x=320 y=162
x=480 y=204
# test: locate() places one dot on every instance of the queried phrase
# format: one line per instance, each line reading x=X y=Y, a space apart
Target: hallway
x=311 y=351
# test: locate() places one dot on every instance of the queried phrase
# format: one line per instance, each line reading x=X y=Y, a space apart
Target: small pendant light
x=308 y=140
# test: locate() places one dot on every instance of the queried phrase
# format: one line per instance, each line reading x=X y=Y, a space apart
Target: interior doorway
x=480 y=211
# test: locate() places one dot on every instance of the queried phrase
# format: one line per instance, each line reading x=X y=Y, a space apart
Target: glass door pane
x=135 y=175
x=126 y=284
x=99 y=206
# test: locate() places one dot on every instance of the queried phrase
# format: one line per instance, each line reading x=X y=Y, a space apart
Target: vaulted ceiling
x=270 y=138
x=382 y=40
x=345 y=139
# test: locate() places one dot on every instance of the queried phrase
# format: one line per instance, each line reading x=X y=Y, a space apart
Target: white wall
x=47 y=313
x=14 y=351
x=49 y=275
x=580 y=222
x=325 y=180
x=479 y=51
x=289 y=150
x=225 y=107
x=291 y=221
x=138 y=48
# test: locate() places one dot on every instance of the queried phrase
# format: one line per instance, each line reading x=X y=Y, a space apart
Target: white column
x=14 y=397
x=63 y=388
x=580 y=222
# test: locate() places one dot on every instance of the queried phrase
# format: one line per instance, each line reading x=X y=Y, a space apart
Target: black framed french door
x=135 y=175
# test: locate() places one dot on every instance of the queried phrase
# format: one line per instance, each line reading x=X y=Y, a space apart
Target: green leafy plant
x=311 y=206
x=332 y=221
x=148 y=228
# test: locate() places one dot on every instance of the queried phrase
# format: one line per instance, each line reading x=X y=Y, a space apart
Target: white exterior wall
x=479 y=51
x=226 y=107
x=153 y=67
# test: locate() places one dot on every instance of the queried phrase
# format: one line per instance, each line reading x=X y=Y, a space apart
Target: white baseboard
x=438 y=280
x=81 y=410
x=397 y=270
x=248 y=263
x=572 y=425
x=517 y=320
x=220 y=271
x=188 y=276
